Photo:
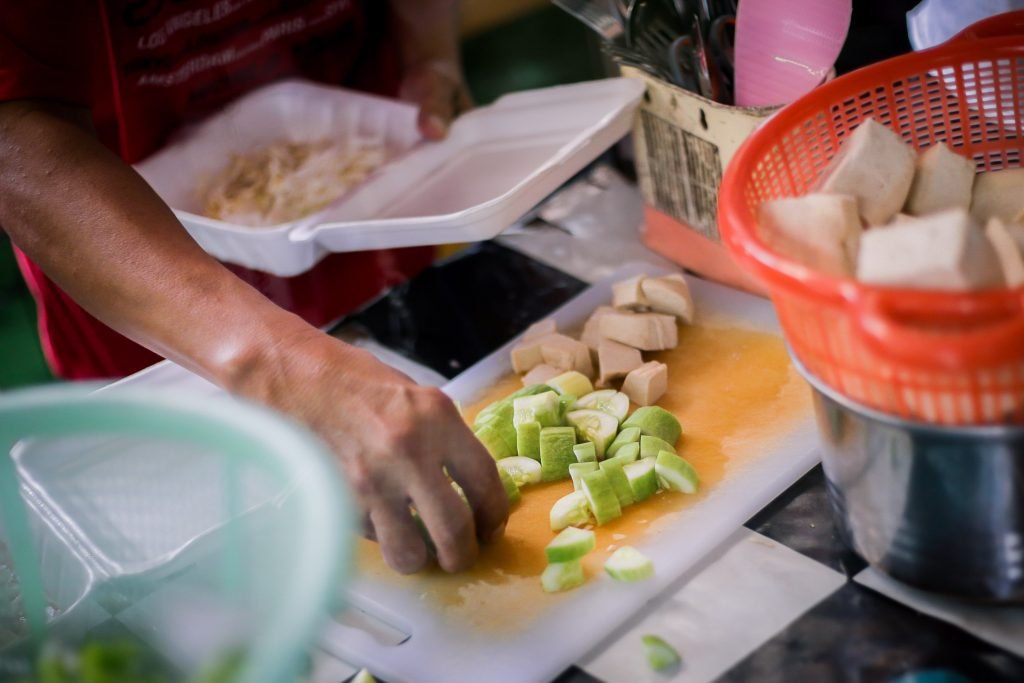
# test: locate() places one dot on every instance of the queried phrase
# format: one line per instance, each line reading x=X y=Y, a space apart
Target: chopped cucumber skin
x=501 y=422
x=660 y=655
x=556 y=452
x=570 y=544
x=610 y=401
x=565 y=404
x=627 y=564
x=585 y=452
x=562 y=576
x=511 y=488
x=531 y=390
x=570 y=510
x=600 y=495
x=543 y=408
x=655 y=421
x=522 y=470
x=620 y=483
x=630 y=452
x=675 y=474
x=650 y=446
x=594 y=426
x=571 y=382
x=528 y=440
x=577 y=470
x=492 y=441
x=625 y=436
x=643 y=480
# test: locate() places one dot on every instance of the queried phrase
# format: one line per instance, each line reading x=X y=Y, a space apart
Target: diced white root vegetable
x=566 y=353
x=628 y=564
x=644 y=331
x=526 y=355
x=647 y=383
x=669 y=295
x=540 y=329
x=1008 y=241
x=592 y=328
x=615 y=361
x=998 y=194
x=629 y=295
x=540 y=374
x=944 y=251
x=875 y=166
x=943 y=180
x=821 y=231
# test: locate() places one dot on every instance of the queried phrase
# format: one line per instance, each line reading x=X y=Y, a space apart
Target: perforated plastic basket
x=940 y=357
x=198 y=532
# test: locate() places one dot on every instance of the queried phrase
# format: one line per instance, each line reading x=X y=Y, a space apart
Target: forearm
x=100 y=232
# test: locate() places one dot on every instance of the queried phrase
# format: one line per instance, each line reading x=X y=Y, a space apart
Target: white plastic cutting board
x=445 y=652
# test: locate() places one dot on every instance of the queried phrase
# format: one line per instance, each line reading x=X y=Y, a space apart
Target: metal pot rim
x=979 y=431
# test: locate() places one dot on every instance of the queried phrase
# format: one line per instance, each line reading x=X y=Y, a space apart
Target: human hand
x=395 y=439
x=440 y=91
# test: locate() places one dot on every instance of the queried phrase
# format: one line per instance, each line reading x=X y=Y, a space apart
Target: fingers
x=448 y=520
x=440 y=92
x=400 y=540
x=472 y=467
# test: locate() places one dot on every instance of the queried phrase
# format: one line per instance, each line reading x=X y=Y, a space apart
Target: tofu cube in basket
x=821 y=231
x=943 y=180
x=998 y=194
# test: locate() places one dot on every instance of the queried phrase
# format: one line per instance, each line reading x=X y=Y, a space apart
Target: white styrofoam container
x=495 y=165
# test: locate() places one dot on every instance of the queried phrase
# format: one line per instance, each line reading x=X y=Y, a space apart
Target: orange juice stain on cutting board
x=734 y=392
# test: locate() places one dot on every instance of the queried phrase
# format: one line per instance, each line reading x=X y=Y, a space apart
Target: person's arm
x=428 y=35
x=99 y=231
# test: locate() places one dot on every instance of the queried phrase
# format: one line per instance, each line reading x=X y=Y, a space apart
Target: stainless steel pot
x=940 y=508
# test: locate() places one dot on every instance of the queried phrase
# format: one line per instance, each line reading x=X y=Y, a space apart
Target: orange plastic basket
x=945 y=358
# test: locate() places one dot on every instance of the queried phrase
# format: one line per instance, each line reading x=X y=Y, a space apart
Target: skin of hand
x=104 y=236
x=432 y=76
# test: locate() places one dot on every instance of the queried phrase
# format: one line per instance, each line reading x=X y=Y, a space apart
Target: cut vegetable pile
x=563 y=428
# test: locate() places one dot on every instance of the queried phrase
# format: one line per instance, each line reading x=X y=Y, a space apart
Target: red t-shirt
x=145 y=67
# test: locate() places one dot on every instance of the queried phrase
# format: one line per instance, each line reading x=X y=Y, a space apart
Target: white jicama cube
x=875 y=166
x=998 y=194
x=822 y=231
x=1008 y=241
x=943 y=180
x=945 y=251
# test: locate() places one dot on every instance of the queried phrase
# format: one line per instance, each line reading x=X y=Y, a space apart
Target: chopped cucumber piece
x=493 y=442
x=642 y=479
x=627 y=435
x=556 y=452
x=577 y=470
x=609 y=401
x=660 y=655
x=524 y=471
x=594 y=426
x=629 y=564
x=565 y=404
x=572 y=382
x=570 y=544
x=570 y=510
x=500 y=420
x=543 y=408
x=363 y=676
x=562 y=576
x=655 y=421
x=491 y=412
x=620 y=483
x=600 y=495
x=585 y=452
x=650 y=446
x=528 y=440
x=531 y=390
x=509 y=484
x=675 y=474
x=630 y=452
